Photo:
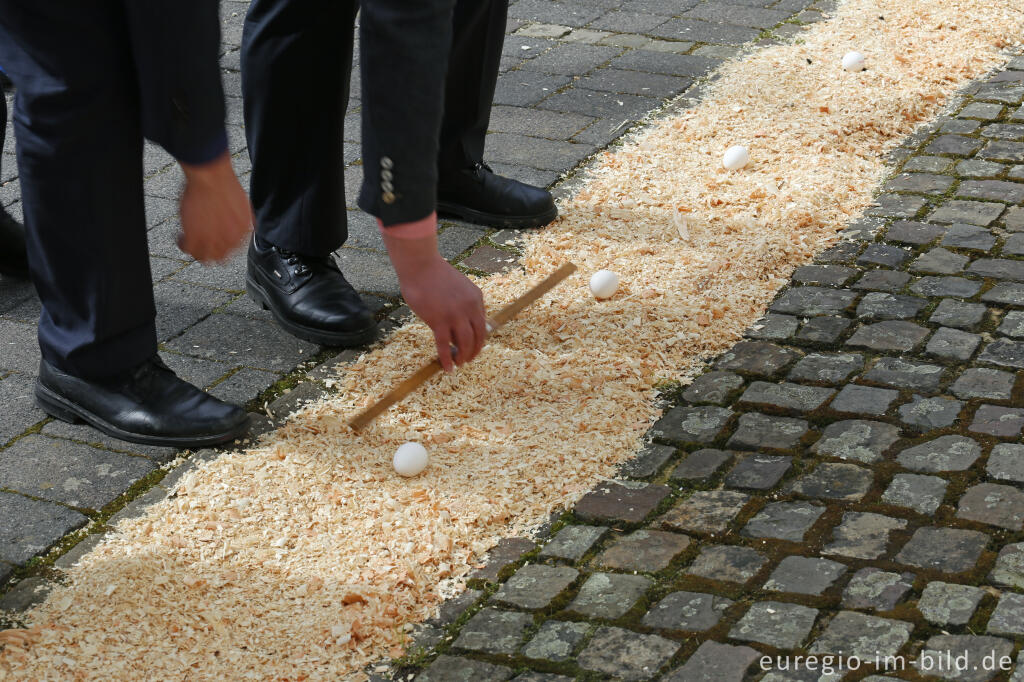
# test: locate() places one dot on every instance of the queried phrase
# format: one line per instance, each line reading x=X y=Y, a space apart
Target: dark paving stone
x=946 y=286
x=968 y=237
x=863 y=535
x=87 y=434
x=883 y=306
x=762 y=431
x=609 y=595
x=25 y=594
x=952 y=344
x=940 y=261
x=556 y=641
x=998 y=268
x=1012 y=324
x=835 y=482
x=871 y=588
x=996 y=505
x=949 y=603
x=647 y=551
x=843 y=252
x=864 y=400
x=974 y=658
x=995 y=190
x=811 y=301
x=862 y=636
x=692 y=424
x=975 y=168
x=901 y=373
x=754 y=17
x=921 y=183
x=1005 y=353
x=824 y=329
x=508 y=551
x=1009 y=568
x=777 y=624
x=713 y=387
x=1005 y=293
x=856 y=439
x=451 y=609
x=687 y=611
x=20 y=412
x=488 y=259
x=804 y=575
x=701 y=464
x=1006 y=462
x=786 y=396
x=930 y=413
x=993 y=384
x=572 y=542
x=949 y=550
x=728 y=563
x=945 y=453
x=827 y=368
x=1014 y=245
x=31 y=527
x=1008 y=618
x=705 y=32
x=950 y=313
x=971 y=212
x=921 y=493
x=897 y=206
x=263 y=345
x=784 y=521
x=825 y=275
x=68 y=472
x=627 y=655
x=244 y=385
x=705 y=511
x=983 y=111
x=774 y=327
x=617 y=502
x=589 y=103
x=1002 y=422
x=758 y=472
x=908 y=232
x=494 y=631
x=534 y=586
x=456 y=669
x=563 y=14
x=889 y=336
x=648 y=461
x=526 y=88
x=634 y=82
x=714 y=661
x=649 y=61
x=928 y=164
x=953 y=145
x=883 y=280
x=756 y=357
x=1013 y=219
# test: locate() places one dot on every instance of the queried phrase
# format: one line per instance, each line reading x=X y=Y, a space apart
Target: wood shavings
x=306 y=557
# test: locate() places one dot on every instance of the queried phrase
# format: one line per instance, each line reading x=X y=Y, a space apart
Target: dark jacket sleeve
x=404 y=47
x=176 y=44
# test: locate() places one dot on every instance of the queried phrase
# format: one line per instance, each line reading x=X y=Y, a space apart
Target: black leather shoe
x=13 y=260
x=148 y=405
x=309 y=297
x=478 y=195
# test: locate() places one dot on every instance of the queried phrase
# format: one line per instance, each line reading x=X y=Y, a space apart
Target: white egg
x=853 y=61
x=735 y=157
x=604 y=283
x=410 y=459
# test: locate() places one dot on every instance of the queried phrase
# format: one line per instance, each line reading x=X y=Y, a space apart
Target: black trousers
x=296 y=66
x=85 y=73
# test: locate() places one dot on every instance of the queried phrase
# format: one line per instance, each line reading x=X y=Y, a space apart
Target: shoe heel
x=255 y=295
x=54 y=408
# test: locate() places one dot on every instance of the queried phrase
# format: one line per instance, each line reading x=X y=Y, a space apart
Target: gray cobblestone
x=979 y=656
x=762 y=431
x=889 y=336
x=784 y=521
x=494 y=631
x=647 y=551
x=1006 y=462
x=992 y=384
x=758 y=472
x=1009 y=567
x=804 y=575
x=883 y=280
x=556 y=640
x=883 y=306
x=883 y=254
x=834 y=482
x=968 y=237
x=705 y=511
x=609 y=595
x=950 y=550
x=810 y=301
x=952 y=344
x=993 y=504
x=626 y=655
x=825 y=329
x=713 y=387
x=1008 y=618
x=714 y=661
x=534 y=586
x=857 y=439
x=701 y=464
x=773 y=327
x=829 y=368
x=692 y=424
x=728 y=563
x=958 y=287
x=871 y=588
x=864 y=400
x=951 y=313
x=970 y=212
x=687 y=611
x=756 y=357
x=572 y=542
x=948 y=604
x=921 y=493
x=786 y=396
x=777 y=624
x=862 y=535
x=862 y=636
x=1002 y=422
x=945 y=453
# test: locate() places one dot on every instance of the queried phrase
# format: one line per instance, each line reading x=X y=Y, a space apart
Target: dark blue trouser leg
x=79 y=150
x=296 y=61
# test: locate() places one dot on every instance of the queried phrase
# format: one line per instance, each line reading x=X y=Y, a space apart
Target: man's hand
x=444 y=298
x=216 y=215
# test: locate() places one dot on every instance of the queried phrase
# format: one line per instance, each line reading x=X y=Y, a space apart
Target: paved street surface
x=848 y=478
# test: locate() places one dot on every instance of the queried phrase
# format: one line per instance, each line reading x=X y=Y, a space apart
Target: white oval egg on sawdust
x=853 y=61
x=735 y=157
x=604 y=284
x=410 y=459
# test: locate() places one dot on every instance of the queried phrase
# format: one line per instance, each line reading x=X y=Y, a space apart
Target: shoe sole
x=451 y=210
x=63 y=409
x=317 y=336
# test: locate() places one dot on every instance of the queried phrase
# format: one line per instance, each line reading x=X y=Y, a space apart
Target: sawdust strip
x=308 y=558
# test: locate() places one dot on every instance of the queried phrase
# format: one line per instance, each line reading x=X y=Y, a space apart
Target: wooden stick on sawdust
x=428 y=370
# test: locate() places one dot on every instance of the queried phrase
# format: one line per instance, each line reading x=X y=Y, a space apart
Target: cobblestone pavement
x=575 y=76
x=847 y=480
